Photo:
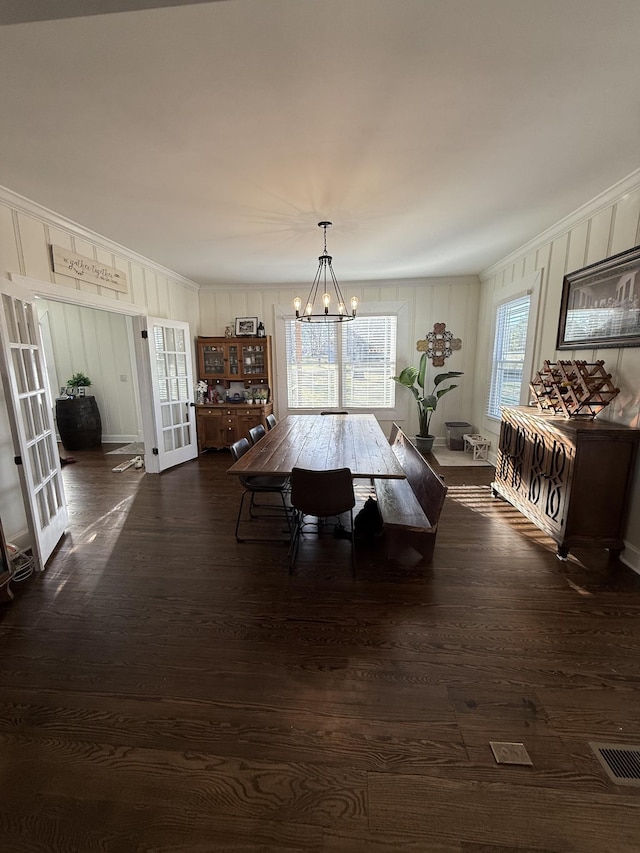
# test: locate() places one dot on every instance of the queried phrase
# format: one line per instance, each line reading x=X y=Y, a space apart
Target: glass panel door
x=254 y=360
x=234 y=367
x=213 y=360
x=31 y=415
x=172 y=385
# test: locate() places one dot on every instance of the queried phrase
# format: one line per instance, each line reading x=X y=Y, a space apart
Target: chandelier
x=325 y=315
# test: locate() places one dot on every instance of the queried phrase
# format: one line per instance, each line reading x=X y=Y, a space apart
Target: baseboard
x=119 y=439
x=21 y=539
x=631 y=557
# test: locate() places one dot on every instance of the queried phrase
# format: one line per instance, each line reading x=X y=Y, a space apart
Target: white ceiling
x=437 y=135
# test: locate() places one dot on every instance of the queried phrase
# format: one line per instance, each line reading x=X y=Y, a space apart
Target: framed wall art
x=246 y=327
x=601 y=304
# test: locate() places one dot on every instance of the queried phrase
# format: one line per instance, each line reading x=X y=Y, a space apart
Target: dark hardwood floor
x=167 y=689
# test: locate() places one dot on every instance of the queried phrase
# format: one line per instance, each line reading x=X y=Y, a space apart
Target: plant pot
x=424 y=443
x=79 y=423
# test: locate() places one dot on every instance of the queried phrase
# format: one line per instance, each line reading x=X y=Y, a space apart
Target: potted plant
x=78 y=380
x=414 y=378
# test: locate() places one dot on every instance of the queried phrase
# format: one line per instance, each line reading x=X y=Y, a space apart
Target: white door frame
x=58 y=293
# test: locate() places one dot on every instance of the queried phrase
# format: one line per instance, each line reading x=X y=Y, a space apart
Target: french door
x=169 y=348
x=30 y=412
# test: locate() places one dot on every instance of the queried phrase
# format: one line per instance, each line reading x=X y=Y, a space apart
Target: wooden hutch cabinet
x=235 y=359
x=571 y=477
x=222 y=361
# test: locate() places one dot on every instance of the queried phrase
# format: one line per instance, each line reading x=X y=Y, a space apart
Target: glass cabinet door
x=234 y=367
x=213 y=360
x=254 y=360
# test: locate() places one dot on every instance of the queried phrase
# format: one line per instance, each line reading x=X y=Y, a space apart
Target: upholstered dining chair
x=256 y=433
x=271 y=421
x=321 y=494
x=259 y=486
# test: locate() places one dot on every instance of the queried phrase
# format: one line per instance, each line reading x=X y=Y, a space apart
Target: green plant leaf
x=407 y=376
x=422 y=372
x=430 y=402
x=79 y=380
x=445 y=390
x=442 y=377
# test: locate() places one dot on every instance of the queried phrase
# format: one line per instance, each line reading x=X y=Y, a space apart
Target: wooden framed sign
x=86 y=269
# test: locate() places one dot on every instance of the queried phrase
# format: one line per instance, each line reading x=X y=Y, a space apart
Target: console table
x=570 y=476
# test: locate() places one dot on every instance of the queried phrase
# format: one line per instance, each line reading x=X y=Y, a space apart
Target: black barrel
x=79 y=423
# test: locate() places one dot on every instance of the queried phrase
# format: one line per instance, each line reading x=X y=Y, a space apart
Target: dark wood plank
x=322 y=442
x=166 y=688
x=529 y=817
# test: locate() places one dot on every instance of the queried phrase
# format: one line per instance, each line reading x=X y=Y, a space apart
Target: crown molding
x=49 y=217
x=572 y=220
x=416 y=281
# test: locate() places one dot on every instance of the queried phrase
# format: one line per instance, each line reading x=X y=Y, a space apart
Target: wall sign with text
x=86 y=269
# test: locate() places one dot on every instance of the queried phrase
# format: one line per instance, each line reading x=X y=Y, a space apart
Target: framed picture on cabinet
x=601 y=304
x=246 y=327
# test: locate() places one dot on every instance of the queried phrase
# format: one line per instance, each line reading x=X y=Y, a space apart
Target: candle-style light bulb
x=341 y=308
x=354 y=305
x=297 y=304
x=325 y=301
x=309 y=309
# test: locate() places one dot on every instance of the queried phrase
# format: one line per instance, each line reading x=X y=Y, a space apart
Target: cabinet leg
x=614 y=553
x=563 y=552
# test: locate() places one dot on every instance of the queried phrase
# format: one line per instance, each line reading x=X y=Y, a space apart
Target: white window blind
x=509 y=353
x=312 y=365
x=341 y=364
x=368 y=362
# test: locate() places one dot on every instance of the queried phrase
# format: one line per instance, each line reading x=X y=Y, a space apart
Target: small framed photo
x=601 y=304
x=246 y=327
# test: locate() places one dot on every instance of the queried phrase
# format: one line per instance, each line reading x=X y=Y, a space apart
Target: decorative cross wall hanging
x=439 y=344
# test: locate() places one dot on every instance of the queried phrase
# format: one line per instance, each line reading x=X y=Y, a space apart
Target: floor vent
x=510 y=753
x=620 y=761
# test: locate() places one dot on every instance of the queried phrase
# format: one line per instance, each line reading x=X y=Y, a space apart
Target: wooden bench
x=410 y=508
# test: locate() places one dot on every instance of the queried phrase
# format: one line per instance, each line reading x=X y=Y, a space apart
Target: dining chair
x=258 y=486
x=256 y=433
x=322 y=494
x=271 y=421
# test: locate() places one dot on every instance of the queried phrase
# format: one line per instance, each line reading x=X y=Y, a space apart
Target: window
x=509 y=354
x=346 y=365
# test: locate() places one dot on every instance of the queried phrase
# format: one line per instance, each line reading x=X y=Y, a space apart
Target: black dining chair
x=256 y=433
x=271 y=421
x=322 y=494
x=260 y=486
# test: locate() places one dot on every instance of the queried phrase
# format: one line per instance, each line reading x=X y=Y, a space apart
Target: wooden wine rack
x=573 y=388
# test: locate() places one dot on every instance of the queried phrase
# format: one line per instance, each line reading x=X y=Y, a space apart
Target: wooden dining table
x=321 y=443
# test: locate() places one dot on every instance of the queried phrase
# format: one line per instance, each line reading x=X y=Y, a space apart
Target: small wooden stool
x=478 y=444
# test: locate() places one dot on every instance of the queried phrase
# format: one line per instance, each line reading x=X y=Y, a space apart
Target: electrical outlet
x=123 y=377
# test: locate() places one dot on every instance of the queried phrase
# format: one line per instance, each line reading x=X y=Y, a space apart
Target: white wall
x=453 y=301
x=607 y=225
x=99 y=344
x=83 y=339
